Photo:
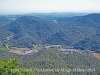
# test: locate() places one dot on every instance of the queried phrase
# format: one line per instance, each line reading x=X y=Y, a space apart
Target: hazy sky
x=30 y=6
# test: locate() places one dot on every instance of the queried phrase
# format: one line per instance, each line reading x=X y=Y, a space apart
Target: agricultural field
x=23 y=51
x=49 y=46
x=97 y=55
x=20 y=51
x=35 y=50
x=4 y=48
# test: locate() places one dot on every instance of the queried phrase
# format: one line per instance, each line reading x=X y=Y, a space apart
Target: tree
x=11 y=68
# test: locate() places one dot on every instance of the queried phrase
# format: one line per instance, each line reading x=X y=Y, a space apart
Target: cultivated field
x=23 y=51
x=4 y=48
x=97 y=55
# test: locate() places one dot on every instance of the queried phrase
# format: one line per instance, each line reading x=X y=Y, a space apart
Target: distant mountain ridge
x=91 y=20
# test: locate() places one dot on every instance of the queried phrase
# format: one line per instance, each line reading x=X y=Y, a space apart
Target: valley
x=81 y=32
x=37 y=48
x=52 y=41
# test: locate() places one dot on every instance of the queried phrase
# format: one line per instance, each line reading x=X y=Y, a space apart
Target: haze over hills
x=91 y=20
x=70 y=31
x=56 y=15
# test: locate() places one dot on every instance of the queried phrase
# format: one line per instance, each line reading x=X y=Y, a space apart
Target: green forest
x=11 y=68
x=53 y=62
x=81 y=32
x=58 y=44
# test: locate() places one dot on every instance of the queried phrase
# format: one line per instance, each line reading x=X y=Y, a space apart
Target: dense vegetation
x=4 y=20
x=29 y=30
x=10 y=68
x=81 y=32
x=76 y=30
x=53 y=59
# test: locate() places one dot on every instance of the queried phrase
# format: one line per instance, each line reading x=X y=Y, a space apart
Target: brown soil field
x=15 y=51
x=97 y=55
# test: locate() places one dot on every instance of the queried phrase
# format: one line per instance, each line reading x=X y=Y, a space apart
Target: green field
x=35 y=50
x=49 y=46
x=4 y=48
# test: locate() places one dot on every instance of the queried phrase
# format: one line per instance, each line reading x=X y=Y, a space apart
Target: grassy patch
x=14 y=48
x=4 y=48
x=48 y=46
x=35 y=50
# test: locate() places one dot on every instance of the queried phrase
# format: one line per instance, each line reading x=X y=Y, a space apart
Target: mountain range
x=78 y=38
x=81 y=32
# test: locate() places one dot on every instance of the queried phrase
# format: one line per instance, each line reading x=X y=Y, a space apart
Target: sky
x=47 y=6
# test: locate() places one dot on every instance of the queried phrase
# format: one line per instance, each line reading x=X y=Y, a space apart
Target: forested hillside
x=74 y=30
x=27 y=31
x=57 y=62
x=4 y=20
x=11 y=68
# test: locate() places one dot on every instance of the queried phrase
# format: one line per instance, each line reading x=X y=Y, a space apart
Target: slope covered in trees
x=70 y=31
x=4 y=20
x=55 y=61
x=91 y=20
x=11 y=68
x=29 y=30
x=92 y=43
x=76 y=29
